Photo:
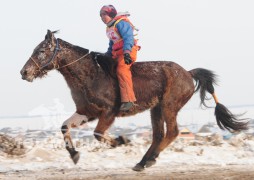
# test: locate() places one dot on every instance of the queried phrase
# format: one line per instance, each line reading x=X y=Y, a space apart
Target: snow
x=50 y=153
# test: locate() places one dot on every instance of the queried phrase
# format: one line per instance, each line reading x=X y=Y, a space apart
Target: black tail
x=205 y=80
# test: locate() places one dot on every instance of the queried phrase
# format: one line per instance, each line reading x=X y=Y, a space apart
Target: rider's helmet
x=110 y=10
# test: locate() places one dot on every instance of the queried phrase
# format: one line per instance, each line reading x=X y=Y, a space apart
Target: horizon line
x=57 y=114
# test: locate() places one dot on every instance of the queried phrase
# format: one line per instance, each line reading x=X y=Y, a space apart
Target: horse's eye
x=42 y=50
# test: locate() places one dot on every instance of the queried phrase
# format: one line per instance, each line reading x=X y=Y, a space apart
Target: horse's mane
x=107 y=63
x=78 y=49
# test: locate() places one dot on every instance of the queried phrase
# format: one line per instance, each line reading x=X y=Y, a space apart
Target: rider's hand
x=127 y=58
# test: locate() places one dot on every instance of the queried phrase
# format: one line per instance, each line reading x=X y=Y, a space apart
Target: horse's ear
x=50 y=37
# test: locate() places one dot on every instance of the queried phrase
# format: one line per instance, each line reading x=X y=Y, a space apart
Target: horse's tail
x=205 y=80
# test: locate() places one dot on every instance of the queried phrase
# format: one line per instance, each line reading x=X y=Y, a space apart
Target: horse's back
x=154 y=78
x=159 y=70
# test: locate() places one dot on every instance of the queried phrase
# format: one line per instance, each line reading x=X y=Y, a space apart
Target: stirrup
x=126 y=106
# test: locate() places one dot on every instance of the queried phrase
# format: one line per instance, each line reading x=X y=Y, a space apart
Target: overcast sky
x=212 y=34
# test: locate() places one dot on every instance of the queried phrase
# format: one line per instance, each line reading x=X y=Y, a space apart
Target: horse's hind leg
x=74 y=121
x=170 y=108
x=172 y=129
x=158 y=135
x=173 y=100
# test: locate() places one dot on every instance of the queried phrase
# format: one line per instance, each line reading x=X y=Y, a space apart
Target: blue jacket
x=126 y=31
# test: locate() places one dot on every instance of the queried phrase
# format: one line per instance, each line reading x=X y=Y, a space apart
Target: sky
x=216 y=35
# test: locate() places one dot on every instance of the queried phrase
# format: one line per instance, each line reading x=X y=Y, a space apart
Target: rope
x=73 y=61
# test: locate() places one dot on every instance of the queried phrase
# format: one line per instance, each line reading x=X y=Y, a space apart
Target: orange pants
x=124 y=76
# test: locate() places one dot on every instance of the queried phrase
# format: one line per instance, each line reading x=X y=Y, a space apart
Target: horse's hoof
x=150 y=163
x=124 y=140
x=138 y=167
x=75 y=157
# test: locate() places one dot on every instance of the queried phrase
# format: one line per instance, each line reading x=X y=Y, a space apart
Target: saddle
x=107 y=63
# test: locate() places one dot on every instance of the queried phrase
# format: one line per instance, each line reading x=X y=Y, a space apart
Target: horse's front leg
x=74 y=121
x=100 y=135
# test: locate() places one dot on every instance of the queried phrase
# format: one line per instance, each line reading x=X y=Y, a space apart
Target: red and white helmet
x=110 y=10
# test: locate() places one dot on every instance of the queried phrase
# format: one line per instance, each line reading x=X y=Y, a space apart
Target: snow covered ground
x=48 y=155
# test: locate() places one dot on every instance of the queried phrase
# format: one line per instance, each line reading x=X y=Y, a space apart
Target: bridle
x=56 y=66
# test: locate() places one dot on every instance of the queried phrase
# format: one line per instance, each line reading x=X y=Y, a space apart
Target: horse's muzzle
x=25 y=75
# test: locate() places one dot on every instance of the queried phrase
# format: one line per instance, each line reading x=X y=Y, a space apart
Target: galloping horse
x=164 y=87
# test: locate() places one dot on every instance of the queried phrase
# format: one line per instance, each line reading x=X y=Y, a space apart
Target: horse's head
x=43 y=58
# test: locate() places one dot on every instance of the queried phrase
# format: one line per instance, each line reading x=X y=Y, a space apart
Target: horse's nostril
x=23 y=72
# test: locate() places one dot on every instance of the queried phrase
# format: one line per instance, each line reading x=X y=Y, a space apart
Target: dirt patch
x=11 y=146
x=229 y=172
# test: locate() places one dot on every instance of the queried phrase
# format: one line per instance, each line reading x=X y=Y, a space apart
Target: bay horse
x=162 y=86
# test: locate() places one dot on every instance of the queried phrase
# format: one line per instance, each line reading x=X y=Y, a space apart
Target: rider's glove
x=127 y=58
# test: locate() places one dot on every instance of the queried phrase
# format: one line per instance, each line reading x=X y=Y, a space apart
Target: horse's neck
x=75 y=69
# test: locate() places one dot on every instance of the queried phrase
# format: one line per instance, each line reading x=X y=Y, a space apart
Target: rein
x=56 y=66
x=72 y=61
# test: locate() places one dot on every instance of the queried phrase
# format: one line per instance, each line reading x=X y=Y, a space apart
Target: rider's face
x=105 y=18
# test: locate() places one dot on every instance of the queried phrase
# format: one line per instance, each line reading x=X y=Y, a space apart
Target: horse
x=164 y=87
